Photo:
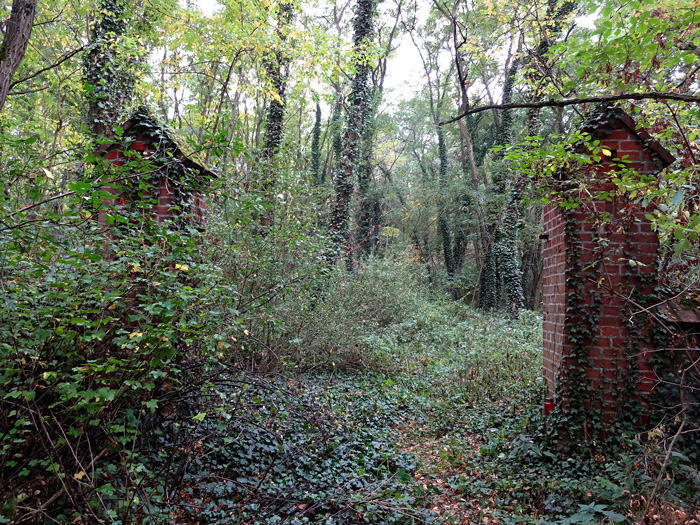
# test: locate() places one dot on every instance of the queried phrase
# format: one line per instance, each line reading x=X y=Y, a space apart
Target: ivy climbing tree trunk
x=364 y=176
x=443 y=225
x=501 y=271
x=316 y=148
x=16 y=32
x=336 y=129
x=369 y=205
x=359 y=104
x=276 y=66
x=277 y=71
x=109 y=76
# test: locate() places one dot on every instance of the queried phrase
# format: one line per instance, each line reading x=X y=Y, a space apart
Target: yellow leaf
x=182 y=267
x=246 y=332
x=220 y=344
x=79 y=475
x=135 y=334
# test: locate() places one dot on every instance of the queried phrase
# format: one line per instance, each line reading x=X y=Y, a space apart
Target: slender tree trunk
x=18 y=30
x=316 y=147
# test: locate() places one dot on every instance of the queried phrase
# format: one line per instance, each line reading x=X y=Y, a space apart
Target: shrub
x=329 y=328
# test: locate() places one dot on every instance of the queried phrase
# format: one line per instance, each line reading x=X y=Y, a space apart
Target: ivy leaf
x=677 y=198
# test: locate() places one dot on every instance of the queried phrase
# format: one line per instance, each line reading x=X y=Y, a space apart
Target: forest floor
x=463 y=462
x=450 y=431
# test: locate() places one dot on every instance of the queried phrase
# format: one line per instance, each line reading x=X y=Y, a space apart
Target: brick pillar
x=617 y=253
x=590 y=319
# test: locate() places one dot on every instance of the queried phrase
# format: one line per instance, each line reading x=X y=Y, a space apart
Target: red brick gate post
x=597 y=256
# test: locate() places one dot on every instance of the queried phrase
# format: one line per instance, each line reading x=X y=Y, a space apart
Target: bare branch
x=47 y=68
x=574 y=101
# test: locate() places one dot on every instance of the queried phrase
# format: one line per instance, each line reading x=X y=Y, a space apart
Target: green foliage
x=95 y=328
x=114 y=324
x=518 y=479
x=386 y=317
x=331 y=333
x=113 y=62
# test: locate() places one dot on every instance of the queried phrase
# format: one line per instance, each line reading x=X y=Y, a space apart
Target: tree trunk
x=443 y=225
x=501 y=271
x=316 y=147
x=359 y=105
x=365 y=213
x=277 y=65
x=337 y=133
x=111 y=84
x=18 y=29
x=483 y=237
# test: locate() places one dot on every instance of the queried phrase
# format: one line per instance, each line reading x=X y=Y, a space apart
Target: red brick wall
x=621 y=140
x=607 y=274
x=198 y=209
x=168 y=199
x=553 y=294
x=165 y=209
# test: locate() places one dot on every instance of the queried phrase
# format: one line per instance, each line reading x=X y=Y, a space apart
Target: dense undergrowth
x=381 y=363
x=152 y=374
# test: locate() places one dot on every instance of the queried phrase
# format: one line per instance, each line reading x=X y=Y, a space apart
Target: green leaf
x=80 y=187
x=614 y=516
x=677 y=198
x=402 y=476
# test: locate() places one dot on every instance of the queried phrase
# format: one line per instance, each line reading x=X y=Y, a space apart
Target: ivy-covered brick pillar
x=156 y=170
x=600 y=262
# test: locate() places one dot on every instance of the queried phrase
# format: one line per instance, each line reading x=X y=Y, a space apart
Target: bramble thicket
x=249 y=276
